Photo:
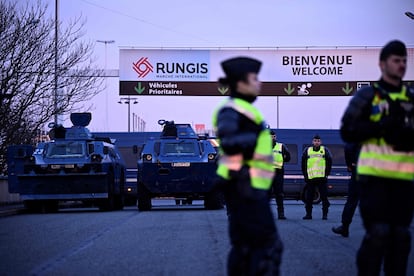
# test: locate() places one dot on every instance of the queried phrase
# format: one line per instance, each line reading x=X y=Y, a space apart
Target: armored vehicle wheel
x=119 y=202
x=41 y=206
x=144 y=198
x=214 y=200
x=316 y=197
x=120 y=198
x=33 y=206
x=109 y=203
x=50 y=206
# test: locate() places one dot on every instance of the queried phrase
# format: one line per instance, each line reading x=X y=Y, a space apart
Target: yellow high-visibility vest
x=377 y=158
x=277 y=156
x=261 y=165
x=316 y=165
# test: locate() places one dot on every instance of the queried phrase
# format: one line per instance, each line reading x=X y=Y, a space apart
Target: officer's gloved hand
x=242 y=180
x=244 y=187
x=406 y=141
x=398 y=128
x=390 y=129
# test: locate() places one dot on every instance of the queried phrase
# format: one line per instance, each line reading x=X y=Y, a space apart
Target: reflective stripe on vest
x=377 y=158
x=232 y=162
x=316 y=163
x=382 y=161
x=277 y=156
x=261 y=169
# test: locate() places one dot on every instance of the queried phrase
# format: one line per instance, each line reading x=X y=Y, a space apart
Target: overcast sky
x=230 y=23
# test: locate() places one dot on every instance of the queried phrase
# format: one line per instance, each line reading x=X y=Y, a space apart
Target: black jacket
x=237 y=133
x=356 y=125
x=351 y=151
x=251 y=221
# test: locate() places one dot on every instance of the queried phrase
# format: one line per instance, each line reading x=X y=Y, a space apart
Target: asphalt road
x=170 y=240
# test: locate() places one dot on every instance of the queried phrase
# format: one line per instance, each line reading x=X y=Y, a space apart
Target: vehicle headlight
x=147 y=157
x=211 y=156
x=96 y=158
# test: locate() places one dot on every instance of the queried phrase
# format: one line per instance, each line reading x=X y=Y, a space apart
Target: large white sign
x=279 y=65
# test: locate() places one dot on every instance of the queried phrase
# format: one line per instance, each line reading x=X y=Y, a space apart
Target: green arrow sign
x=139 y=88
x=289 y=90
x=347 y=89
x=223 y=90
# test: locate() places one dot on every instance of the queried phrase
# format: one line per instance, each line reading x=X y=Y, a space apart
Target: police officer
x=381 y=118
x=281 y=155
x=246 y=170
x=351 y=151
x=316 y=166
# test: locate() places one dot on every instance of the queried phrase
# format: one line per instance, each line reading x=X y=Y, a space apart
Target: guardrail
x=5 y=196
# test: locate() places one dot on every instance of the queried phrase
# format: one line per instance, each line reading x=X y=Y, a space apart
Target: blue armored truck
x=73 y=166
x=180 y=165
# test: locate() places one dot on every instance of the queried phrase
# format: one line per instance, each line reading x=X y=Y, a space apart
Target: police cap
x=394 y=47
x=316 y=136
x=237 y=68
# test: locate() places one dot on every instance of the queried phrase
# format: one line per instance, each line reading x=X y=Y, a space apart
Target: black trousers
x=277 y=188
x=246 y=260
x=387 y=209
x=352 y=200
x=311 y=184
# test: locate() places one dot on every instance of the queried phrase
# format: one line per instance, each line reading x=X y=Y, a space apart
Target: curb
x=11 y=210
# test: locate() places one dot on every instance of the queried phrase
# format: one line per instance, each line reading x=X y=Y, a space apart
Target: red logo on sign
x=143 y=67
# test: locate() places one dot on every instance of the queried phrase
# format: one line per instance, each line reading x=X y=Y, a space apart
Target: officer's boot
x=308 y=213
x=281 y=213
x=343 y=230
x=280 y=208
x=324 y=213
x=325 y=207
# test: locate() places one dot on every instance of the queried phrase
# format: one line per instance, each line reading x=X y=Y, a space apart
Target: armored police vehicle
x=179 y=164
x=73 y=166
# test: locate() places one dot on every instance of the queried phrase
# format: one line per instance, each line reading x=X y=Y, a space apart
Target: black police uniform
x=320 y=182
x=256 y=246
x=277 y=184
x=351 y=151
x=386 y=204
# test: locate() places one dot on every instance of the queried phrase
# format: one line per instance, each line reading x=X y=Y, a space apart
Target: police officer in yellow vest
x=246 y=170
x=281 y=155
x=316 y=166
x=381 y=118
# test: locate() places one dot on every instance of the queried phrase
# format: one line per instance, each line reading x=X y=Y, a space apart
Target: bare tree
x=27 y=72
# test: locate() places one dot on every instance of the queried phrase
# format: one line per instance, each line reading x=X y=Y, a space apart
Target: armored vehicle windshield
x=65 y=149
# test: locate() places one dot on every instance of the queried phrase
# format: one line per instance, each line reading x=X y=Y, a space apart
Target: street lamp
x=106 y=42
x=56 y=61
x=138 y=124
x=127 y=101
